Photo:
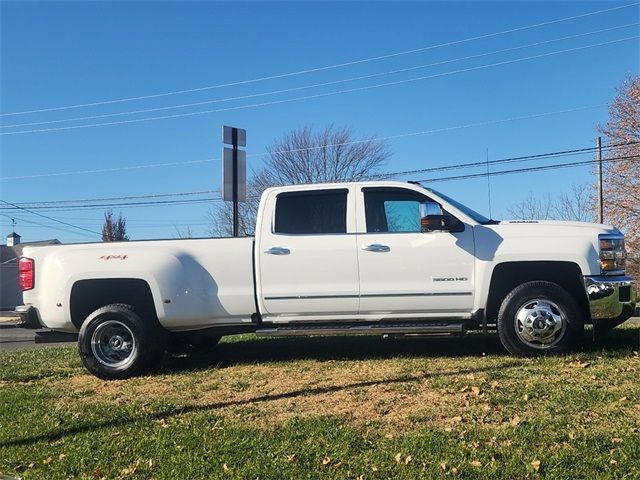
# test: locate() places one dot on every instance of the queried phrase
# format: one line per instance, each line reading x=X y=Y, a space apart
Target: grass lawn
x=340 y=407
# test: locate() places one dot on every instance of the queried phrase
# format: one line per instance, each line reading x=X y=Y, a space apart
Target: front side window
x=396 y=210
x=392 y=210
x=312 y=212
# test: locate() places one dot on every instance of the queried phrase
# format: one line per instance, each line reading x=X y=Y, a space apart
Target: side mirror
x=432 y=218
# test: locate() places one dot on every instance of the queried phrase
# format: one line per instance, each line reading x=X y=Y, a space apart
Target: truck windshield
x=463 y=208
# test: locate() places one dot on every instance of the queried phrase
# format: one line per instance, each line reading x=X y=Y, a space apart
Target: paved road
x=12 y=338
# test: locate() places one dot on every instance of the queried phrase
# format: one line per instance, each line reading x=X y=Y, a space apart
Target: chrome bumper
x=29 y=317
x=611 y=298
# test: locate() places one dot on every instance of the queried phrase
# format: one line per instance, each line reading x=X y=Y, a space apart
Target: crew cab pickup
x=343 y=258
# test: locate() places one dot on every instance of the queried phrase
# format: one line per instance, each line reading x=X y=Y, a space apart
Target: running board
x=376 y=329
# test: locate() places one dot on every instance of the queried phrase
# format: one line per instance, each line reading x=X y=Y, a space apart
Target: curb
x=4 y=325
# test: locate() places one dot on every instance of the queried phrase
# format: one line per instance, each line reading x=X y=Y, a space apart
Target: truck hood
x=558 y=225
x=551 y=228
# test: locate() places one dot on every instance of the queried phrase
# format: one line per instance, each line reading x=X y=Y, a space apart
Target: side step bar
x=351 y=329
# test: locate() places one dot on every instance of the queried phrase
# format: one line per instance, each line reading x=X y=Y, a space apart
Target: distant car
x=352 y=258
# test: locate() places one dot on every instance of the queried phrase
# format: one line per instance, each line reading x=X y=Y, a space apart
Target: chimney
x=13 y=239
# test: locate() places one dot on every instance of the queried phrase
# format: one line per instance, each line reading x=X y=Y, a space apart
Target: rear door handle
x=277 y=251
x=376 y=247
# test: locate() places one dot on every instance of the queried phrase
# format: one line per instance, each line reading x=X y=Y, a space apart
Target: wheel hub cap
x=539 y=323
x=113 y=344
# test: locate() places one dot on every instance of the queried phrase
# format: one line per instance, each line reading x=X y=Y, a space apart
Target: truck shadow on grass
x=251 y=350
x=174 y=411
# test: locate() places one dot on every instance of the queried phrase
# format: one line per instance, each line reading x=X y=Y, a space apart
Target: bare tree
x=114 y=229
x=302 y=156
x=183 y=232
x=621 y=178
x=574 y=204
x=532 y=208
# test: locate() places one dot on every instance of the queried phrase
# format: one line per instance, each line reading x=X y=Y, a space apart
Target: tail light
x=26 y=273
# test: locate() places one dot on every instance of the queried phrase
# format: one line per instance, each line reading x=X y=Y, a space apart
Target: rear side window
x=312 y=212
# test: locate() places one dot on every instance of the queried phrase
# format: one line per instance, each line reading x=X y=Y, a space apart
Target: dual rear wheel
x=116 y=343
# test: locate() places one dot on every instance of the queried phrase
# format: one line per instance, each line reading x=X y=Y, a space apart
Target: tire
x=115 y=343
x=539 y=318
x=200 y=342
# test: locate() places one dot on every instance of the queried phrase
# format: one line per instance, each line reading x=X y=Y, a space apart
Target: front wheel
x=538 y=318
x=115 y=343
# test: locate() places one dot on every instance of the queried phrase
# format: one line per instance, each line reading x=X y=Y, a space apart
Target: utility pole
x=600 y=192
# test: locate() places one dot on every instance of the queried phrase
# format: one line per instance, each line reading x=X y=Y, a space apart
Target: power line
x=38 y=224
x=131 y=197
x=51 y=205
x=316 y=85
x=327 y=67
x=527 y=170
x=539 y=156
x=321 y=95
x=382 y=138
x=50 y=218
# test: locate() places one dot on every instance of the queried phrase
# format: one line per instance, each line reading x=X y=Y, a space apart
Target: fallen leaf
x=360 y=477
x=337 y=465
x=407 y=460
x=623 y=399
x=616 y=440
x=291 y=458
x=470 y=376
x=326 y=461
x=31 y=465
x=457 y=419
x=47 y=460
x=583 y=364
x=613 y=462
x=515 y=421
x=495 y=385
x=61 y=456
x=476 y=464
x=398 y=457
x=475 y=391
x=454 y=471
x=526 y=397
x=225 y=467
x=150 y=463
x=536 y=465
x=388 y=436
x=444 y=465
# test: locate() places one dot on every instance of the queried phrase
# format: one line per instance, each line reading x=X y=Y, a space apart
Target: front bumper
x=611 y=299
x=29 y=317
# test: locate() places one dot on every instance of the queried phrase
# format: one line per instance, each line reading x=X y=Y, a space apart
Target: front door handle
x=277 y=251
x=376 y=247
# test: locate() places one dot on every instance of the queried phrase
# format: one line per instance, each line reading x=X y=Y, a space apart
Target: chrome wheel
x=540 y=323
x=113 y=344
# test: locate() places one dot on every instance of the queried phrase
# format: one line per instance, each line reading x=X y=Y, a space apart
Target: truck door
x=403 y=270
x=307 y=255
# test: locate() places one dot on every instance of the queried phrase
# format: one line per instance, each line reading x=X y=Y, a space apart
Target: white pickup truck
x=347 y=258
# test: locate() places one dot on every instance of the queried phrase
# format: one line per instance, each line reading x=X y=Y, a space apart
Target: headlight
x=612 y=254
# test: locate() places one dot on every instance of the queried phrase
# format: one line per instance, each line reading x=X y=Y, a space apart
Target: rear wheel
x=114 y=343
x=538 y=318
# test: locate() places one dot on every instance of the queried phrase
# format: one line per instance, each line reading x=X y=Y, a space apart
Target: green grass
x=359 y=407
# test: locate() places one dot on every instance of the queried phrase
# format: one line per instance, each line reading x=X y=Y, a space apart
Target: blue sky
x=68 y=53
